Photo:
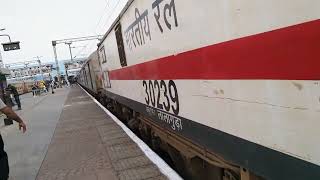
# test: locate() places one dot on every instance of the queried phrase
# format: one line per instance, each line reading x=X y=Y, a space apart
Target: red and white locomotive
x=229 y=89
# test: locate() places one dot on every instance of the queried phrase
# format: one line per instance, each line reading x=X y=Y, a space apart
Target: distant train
x=23 y=86
x=229 y=90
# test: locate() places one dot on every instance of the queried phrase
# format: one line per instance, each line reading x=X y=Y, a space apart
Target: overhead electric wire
x=110 y=13
x=102 y=15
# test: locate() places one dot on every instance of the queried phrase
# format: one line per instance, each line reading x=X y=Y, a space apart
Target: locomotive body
x=90 y=75
x=237 y=80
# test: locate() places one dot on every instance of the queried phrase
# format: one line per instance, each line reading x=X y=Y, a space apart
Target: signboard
x=11 y=46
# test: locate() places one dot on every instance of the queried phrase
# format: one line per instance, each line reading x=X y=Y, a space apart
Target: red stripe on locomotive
x=291 y=53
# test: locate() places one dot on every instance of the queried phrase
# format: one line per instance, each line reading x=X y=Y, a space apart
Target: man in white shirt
x=4 y=166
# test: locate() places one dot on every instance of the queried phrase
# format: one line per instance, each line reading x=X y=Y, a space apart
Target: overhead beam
x=69 y=41
x=78 y=39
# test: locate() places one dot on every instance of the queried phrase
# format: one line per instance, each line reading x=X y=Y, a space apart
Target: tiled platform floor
x=88 y=144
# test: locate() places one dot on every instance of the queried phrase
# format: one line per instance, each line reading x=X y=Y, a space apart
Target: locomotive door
x=107 y=79
x=90 y=76
x=122 y=54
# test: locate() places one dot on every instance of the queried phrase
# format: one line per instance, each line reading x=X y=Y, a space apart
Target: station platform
x=71 y=137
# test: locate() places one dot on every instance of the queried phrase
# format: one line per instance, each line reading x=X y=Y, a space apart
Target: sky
x=35 y=23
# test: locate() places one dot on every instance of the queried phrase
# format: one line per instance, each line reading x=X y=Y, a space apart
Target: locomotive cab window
x=103 y=55
x=122 y=54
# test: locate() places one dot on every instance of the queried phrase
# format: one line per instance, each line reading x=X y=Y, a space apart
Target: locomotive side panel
x=88 y=81
x=203 y=24
x=83 y=76
x=260 y=91
x=94 y=70
x=109 y=57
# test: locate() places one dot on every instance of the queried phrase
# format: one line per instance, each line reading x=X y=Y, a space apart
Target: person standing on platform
x=34 y=88
x=15 y=95
x=47 y=84
x=52 y=84
x=42 y=86
x=4 y=165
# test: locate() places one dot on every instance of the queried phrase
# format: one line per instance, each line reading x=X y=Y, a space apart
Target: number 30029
x=162 y=95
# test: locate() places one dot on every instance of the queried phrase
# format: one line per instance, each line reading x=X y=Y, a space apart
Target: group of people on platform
x=41 y=86
x=11 y=94
x=12 y=98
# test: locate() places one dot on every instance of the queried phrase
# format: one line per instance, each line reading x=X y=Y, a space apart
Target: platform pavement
x=27 y=151
x=89 y=145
